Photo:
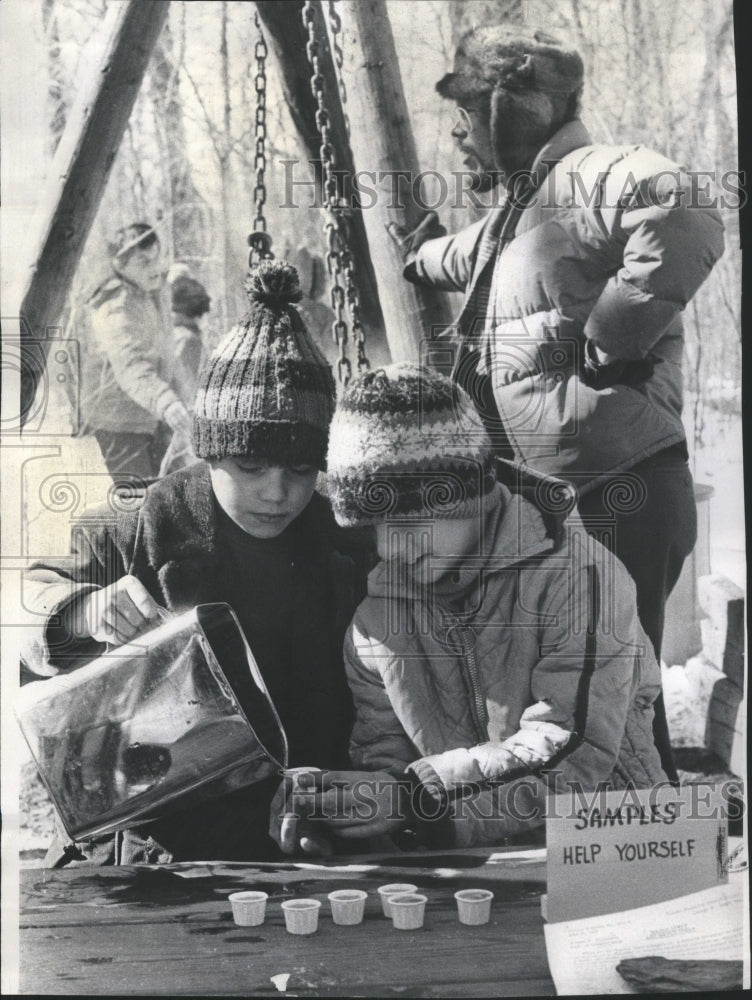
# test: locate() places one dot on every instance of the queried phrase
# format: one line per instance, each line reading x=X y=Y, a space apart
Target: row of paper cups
x=400 y=901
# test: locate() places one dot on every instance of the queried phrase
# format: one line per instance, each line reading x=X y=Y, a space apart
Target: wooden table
x=169 y=930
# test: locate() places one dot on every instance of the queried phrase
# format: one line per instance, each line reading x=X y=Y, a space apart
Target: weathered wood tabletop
x=169 y=930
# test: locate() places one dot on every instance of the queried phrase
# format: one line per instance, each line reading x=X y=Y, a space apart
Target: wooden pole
x=383 y=146
x=287 y=37
x=80 y=169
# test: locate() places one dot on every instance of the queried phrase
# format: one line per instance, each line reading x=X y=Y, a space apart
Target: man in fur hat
x=570 y=336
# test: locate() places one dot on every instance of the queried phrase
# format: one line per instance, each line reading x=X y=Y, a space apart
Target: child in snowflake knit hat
x=407 y=443
x=493 y=661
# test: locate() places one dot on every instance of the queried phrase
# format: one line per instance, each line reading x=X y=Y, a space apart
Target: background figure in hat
x=498 y=654
x=243 y=526
x=190 y=303
x=318 y=315
x=127 y=397
x=570 y=337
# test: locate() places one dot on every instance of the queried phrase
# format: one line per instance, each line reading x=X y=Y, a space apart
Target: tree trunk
x=224 y=150
x=78 y=176
x=383 y=145
x=189 y=236
x=55 y=76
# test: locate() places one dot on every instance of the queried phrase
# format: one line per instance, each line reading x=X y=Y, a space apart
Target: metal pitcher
x=179 y=715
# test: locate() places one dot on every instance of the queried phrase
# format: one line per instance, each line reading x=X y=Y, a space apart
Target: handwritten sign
x=617 y=850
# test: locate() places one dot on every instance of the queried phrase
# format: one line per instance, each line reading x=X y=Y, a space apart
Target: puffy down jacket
x=608 y=248
x=526 y=671
x=128 y=366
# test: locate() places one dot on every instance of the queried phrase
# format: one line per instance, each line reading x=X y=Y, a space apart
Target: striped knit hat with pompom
x=267 y=390
x=406 y=442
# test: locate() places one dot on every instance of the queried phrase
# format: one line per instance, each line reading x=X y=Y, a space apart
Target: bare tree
x=188 y=208
x=56 y=84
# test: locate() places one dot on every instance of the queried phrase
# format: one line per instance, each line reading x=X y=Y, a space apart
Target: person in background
x=570 y=336
x=317 y=314
x=497 y=657
x=126 y=396
x=190 y=302
x=243 y=526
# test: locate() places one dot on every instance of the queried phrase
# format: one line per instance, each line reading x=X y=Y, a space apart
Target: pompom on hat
x=267 y=389
x=406 y=442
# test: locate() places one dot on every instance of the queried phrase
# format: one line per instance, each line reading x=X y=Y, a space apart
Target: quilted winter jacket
x=488 y=689
x=127 y=364
x=607 y=248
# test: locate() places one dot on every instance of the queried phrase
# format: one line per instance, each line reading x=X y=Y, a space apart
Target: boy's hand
x=179 y=419
x=119 y=612
x=355 y=804
x=288 y=827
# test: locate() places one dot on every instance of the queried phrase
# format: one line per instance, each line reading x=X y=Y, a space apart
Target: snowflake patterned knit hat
x=406 y=442
x=267 y=390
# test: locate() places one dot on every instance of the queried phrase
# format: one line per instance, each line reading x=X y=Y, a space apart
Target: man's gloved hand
x=600 y=371
x=408 y=242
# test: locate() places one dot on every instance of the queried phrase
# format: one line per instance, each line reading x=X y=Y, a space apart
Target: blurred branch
x=214 y=134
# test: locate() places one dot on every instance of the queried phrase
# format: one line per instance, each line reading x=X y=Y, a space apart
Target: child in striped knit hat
x=244 y=526
x=498 y=655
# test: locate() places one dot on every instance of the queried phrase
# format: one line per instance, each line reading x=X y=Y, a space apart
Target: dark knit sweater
x=284 y=607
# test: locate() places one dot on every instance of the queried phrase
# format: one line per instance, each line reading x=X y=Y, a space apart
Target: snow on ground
x=719 y=463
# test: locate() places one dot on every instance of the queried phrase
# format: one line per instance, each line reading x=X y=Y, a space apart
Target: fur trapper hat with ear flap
x=531 y=80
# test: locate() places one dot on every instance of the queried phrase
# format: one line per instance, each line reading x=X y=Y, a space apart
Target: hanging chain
x=335 y=26
x=348 y=264
x=331 y=198
x=259 y=240
x=339 y=260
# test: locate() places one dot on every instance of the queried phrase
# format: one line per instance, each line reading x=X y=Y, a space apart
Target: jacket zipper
x=477 y=704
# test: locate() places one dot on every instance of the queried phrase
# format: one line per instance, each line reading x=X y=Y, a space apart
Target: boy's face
x=262 y=499
x=439 y=549
x=144 y=268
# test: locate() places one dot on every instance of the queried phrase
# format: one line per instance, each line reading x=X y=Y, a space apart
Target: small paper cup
x=474 y=906
x=348 y=906
x=301 y=915
x=408 y=909
x=385 y=891
x=248 y=908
